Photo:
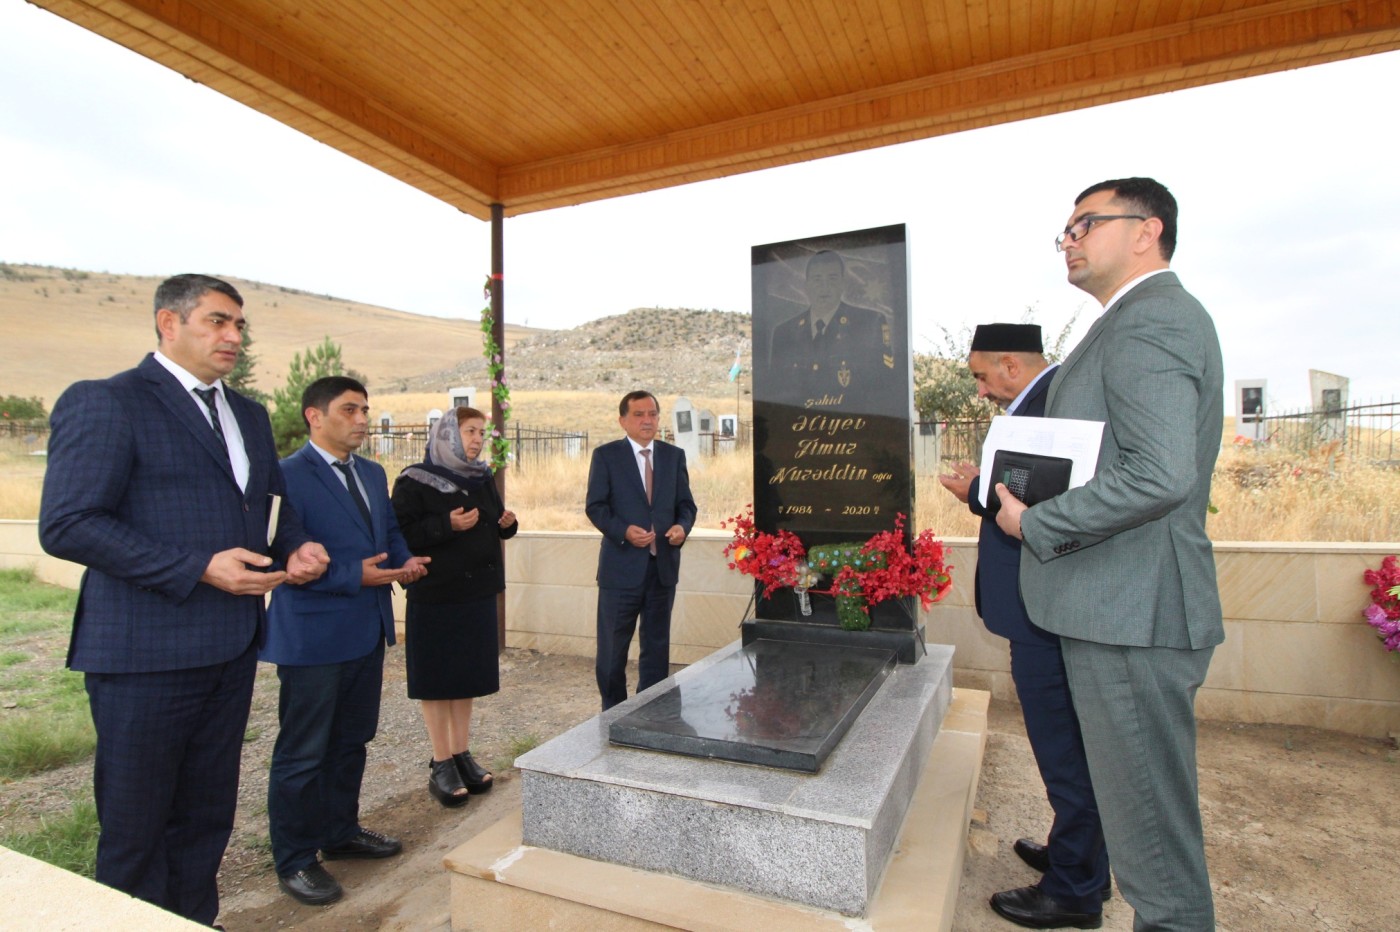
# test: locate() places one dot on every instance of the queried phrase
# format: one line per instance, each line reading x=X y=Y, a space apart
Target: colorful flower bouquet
x=862 y=574
x=1383 y=613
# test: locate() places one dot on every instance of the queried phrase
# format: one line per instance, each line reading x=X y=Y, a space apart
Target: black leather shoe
x=1027 y=906
x=312 y=885
x=445 y=783
x=476 y=778
x=364 y=844
x=1038 y=857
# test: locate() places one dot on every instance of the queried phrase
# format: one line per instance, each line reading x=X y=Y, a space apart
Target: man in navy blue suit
x=161 y=481
x=639 y=497
x=327 y=638
x=1008 y=362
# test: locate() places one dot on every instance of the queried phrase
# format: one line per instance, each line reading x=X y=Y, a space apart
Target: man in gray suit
x=1121 y=567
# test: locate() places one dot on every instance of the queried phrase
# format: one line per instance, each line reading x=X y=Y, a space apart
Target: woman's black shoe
x=444 y=782
x=473 y=776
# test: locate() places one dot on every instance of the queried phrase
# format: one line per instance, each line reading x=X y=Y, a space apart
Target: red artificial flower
x=1381 y=582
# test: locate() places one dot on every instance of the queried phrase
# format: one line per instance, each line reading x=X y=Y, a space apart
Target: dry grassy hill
x=62 y=325
x=670 y=351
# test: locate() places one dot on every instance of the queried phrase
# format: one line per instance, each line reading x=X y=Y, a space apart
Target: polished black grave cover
x=778 y=704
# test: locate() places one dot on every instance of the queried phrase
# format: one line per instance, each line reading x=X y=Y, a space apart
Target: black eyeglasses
x=1083 y=225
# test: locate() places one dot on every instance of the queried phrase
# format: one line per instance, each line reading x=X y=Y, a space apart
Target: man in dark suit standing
x=637 y=486
x=1008 y=362
x=327 y=638
x=161 y=481
x=1121 y=567
x=832 y=346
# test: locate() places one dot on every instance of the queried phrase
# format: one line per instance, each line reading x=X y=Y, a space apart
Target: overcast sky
x=1290 y=200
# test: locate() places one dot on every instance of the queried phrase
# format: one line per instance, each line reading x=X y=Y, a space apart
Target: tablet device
x=1030 y=477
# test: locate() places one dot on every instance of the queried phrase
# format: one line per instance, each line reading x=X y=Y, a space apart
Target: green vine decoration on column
x=500 y=393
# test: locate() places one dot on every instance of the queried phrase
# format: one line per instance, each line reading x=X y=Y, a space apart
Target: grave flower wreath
x=861 y=574
x=1383 y=613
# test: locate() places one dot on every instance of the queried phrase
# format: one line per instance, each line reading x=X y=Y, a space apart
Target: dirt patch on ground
x=1298 y=831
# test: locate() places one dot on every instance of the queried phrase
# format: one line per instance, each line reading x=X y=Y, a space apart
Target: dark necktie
x=210 y=397
x=646 y=455
x=821 y=331
x=354 y=489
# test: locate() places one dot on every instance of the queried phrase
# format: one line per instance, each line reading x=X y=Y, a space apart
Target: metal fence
x=1364 y=432
x=531 y=446
x=18 y=438
x=1367 y=432
x=949 y=442
x=401 y=445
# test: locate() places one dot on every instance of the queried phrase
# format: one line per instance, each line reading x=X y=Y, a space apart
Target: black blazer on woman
x=466 y=564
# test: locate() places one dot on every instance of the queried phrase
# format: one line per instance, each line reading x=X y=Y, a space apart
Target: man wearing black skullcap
x=1009 y=364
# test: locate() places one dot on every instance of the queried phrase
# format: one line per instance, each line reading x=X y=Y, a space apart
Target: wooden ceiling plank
x=935 y=16
x=912 y=28
x=721 y=80
x=979 y=33
x=874 y=61
x=664 y=74
x=538 y=114
x=796 y=83
x=682 y=72
x=959 y=35
x=808 y=35
x=592 y=106
x=929 y=105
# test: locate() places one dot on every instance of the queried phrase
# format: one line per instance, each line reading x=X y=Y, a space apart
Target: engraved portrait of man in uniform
x=832 y=346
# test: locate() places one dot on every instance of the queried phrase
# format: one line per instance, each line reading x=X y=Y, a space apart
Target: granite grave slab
x=771 y=703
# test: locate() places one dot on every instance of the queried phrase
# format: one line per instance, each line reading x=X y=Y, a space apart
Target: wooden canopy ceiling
x=542 y=103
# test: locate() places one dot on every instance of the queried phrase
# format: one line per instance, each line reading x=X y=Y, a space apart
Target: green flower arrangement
x=496 y=372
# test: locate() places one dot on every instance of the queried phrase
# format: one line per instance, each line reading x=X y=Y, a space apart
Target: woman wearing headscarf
x=449 y=509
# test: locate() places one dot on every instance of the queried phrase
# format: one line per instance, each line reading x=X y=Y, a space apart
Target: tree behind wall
x=241 y=378
x=15 y=408
x=288 y=427
x=944 y=388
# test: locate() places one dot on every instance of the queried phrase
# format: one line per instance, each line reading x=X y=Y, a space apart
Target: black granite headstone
x=833 y=400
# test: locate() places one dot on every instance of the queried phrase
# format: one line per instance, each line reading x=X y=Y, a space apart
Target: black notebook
x=1030 y=477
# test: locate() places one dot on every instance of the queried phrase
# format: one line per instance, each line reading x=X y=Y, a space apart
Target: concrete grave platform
x=819 y=840
x=498 y=882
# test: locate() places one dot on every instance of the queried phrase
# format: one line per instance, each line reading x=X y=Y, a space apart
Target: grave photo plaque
x=833 y=396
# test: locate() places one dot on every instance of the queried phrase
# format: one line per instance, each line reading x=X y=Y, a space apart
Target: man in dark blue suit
x=636 y=486
x=1008 y=362
x=161 y=482
x=327 y=639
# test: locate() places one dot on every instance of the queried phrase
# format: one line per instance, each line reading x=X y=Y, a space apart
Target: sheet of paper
x=273 y=511
x=1077 y=441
